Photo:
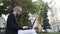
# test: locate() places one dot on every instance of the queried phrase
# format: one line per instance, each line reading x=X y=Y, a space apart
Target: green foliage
x=23 y=20
x=27 y=5
x=34 y=9
x=46 y=24
x=4 y=9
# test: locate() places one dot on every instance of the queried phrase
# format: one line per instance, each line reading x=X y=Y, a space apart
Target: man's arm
x=12 y=23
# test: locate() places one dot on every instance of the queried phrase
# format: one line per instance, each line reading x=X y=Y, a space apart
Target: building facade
x=54 y=15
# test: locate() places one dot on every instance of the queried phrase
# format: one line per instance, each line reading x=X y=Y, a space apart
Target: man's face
x=19 y=11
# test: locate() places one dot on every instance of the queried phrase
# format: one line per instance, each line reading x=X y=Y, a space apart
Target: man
x=12 y=23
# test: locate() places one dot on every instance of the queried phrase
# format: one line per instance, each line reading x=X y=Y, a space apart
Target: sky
x=34 y=0
x=46 y=0
x=43 y=0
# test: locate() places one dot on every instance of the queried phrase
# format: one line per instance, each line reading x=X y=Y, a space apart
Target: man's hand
x=24 y=27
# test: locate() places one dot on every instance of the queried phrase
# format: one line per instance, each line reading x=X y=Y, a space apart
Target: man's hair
x=16 y=8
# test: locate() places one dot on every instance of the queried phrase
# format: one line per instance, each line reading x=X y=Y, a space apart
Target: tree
x=46 y=24
x=42 y=15
x=23 y=20
x=27 y=6
x=6 y=7
x=39 y=14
